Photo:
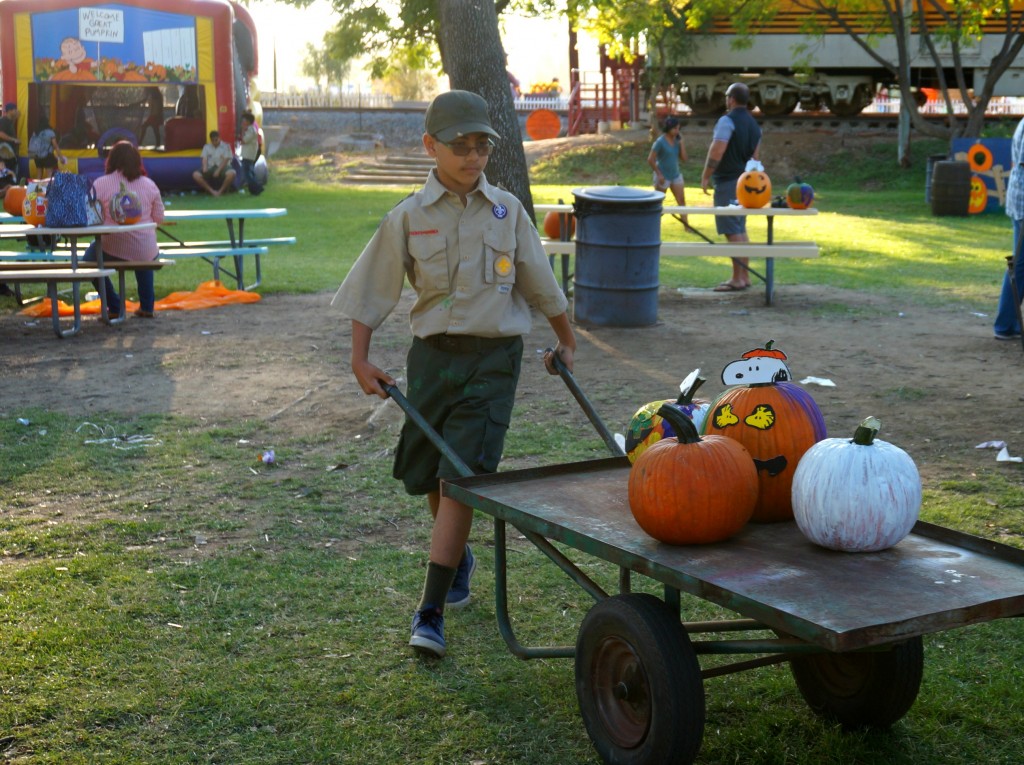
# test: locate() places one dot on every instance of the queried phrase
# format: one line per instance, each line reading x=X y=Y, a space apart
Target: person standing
x=735 y=141
x=1007 y=324
x=666 y=154
x=475 y=261
x=250 y=152
x=215 y=175
x=44 y=150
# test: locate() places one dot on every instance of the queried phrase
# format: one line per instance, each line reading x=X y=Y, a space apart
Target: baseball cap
x=457 y=113
x=10 y=107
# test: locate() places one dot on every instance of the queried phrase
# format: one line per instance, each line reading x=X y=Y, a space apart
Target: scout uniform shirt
x=476 y=269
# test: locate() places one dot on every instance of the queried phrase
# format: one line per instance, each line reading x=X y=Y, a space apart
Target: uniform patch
x=504 y=289
x=500 y=211
x=503 y=265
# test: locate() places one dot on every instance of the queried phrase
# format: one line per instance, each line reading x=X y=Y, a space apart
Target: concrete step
x=385 y=180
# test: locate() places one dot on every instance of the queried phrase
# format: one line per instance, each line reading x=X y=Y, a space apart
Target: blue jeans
x=249 y=177
x=144 y=280
x=1006 y=316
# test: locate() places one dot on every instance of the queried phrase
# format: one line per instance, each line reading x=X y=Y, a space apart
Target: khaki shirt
x=476 y=269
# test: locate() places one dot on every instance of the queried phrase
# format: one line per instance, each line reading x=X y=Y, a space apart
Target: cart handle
x=413 y=414
x=584 y=402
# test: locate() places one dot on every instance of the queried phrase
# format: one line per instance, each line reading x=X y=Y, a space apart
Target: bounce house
x=160 y=73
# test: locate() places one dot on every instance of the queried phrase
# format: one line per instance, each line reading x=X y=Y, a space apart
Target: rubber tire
x=635 y=641
x=112 y=136
x=868 y=689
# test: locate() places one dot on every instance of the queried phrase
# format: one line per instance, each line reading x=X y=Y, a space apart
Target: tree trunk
x=473 y=58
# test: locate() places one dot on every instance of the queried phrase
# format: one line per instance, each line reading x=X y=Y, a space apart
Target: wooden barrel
x=951 y=188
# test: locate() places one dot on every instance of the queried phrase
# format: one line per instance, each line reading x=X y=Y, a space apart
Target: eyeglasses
x=462 y=149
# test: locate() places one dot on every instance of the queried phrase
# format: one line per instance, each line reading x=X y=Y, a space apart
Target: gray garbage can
x=618 y=244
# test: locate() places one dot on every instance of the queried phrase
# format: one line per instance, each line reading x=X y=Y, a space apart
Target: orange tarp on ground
x=206 y=295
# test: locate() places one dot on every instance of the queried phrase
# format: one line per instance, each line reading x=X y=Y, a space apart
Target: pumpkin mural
x=754 y=189
x=553 y=223
x=124 y=206
x=775 y=419
x=692 y=490
x=647 y=427
x=799 y=196
x=856 y=495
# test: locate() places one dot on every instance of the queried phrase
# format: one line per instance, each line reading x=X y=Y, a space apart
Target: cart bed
x=933 y=580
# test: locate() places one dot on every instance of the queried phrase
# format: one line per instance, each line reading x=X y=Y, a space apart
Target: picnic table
x=236 y=246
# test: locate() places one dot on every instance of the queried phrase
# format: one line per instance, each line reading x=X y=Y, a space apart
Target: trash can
x=618 y=244
x=932 y=159
x=951 y=188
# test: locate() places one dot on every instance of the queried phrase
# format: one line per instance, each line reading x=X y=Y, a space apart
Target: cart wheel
x=638 y=683
x=869 y=689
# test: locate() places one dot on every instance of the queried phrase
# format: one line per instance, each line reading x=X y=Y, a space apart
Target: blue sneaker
x=458 y=595
x=428 y=632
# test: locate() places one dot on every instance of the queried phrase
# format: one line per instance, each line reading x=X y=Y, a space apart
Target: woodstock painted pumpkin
x=799 y=196
x=648 y=427
x=553 y=223
x=856 y=495
x=124 y=206
x=776 y=420
x=33 y=209
x=754 y=189
x=692 y=490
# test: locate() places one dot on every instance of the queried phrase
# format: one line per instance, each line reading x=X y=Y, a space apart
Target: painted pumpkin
x=856 y=495
x=754 y=189
x=647 y=427
x=33 y=209
x=124 y=206
x=14 y=199
x=799 y=196
x=776 y=420
x=978 y=199
x=553 y=222
x=692 y=490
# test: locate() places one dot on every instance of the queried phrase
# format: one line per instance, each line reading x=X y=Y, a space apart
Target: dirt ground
x=934 y=376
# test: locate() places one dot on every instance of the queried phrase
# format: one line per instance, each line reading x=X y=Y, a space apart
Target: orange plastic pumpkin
x=692 y=490
x=754 y=189
x=552 y=225
x=978 y=199
x=14 y=199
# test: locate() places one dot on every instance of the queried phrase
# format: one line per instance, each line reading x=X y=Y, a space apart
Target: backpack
x=39 y=145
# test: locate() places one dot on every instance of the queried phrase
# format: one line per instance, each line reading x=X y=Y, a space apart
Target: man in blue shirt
x=735 y=141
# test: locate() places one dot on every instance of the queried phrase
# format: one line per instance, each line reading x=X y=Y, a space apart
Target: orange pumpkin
x=34 y=208
x=14 y=199
x=777 y=422
x=692 y=490
x=978 y=199
x=754 y=189
x=553 y=223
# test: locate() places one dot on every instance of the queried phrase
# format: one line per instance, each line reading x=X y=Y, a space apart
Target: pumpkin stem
x=686 y=396
x=866 y=431
x=768 y=345
x=686 y=433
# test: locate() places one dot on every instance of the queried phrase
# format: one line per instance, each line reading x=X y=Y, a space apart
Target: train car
x=785 y=67
x=161 y=73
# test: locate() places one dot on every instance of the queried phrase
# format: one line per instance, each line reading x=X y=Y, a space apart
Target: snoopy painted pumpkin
x=775 y=419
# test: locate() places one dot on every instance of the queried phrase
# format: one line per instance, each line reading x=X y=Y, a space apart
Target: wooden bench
x=704 y=250
x=52 y=276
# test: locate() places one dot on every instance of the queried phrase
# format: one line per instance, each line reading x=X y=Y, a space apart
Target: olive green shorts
x=465 y=388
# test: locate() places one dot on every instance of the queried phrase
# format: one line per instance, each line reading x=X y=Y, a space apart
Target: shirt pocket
x=499 y=257
x=430 y=261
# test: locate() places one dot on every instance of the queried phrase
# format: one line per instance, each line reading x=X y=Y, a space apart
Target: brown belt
x=465 y=343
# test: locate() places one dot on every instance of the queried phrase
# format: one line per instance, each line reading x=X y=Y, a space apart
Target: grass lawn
x=128 y=637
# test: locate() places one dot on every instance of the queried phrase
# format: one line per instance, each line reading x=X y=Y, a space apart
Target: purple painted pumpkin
x=124 y=207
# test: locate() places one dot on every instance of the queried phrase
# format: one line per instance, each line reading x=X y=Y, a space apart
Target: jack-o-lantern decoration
x=553 y=223
x=647 y=427
x=775 y=419
x=754 y=188
x=978 y=199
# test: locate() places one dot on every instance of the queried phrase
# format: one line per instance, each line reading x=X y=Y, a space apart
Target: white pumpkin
x=856 y=495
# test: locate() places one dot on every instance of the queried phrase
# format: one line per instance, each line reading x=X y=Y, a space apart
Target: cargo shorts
x=725 y=195
x=465 y=387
